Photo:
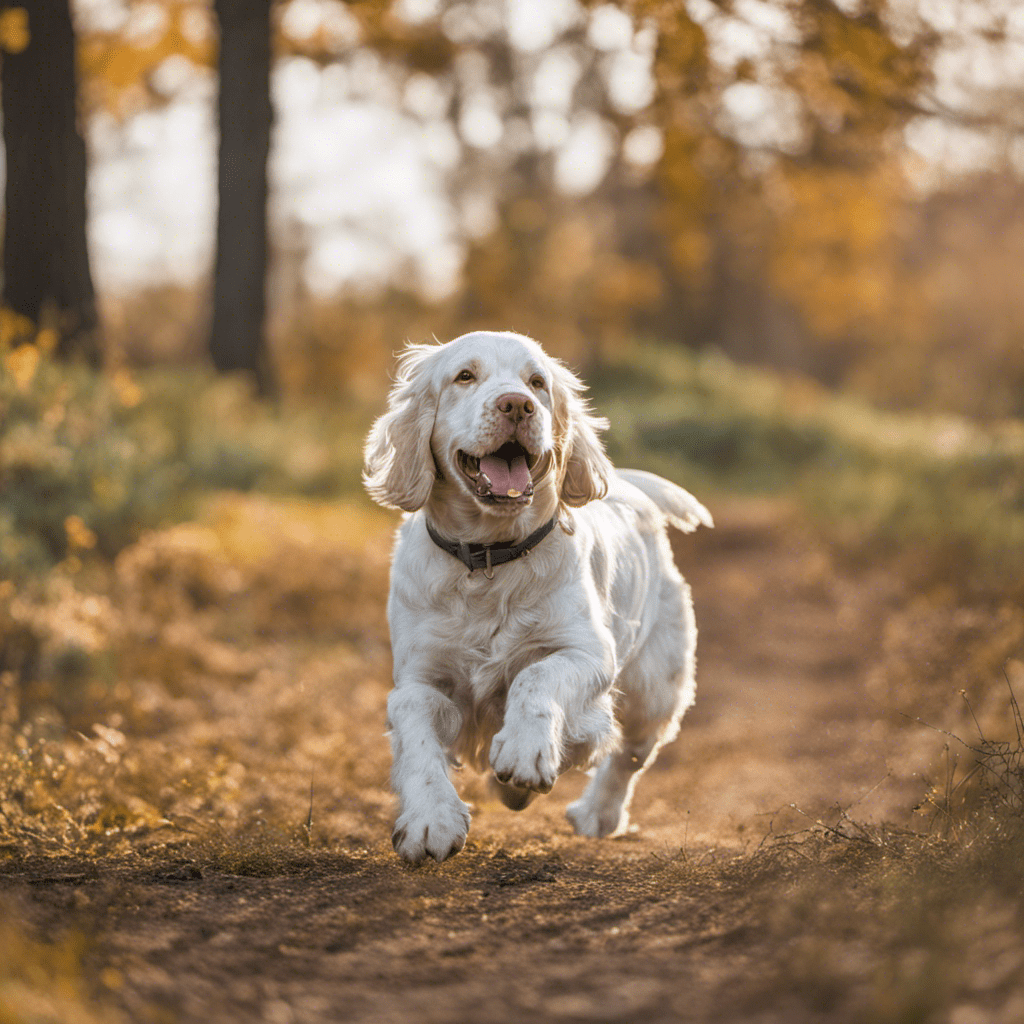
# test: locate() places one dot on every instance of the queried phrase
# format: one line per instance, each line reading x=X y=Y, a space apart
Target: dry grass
x=246 y=646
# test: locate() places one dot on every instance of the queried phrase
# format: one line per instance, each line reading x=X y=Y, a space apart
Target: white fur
x=580 y=653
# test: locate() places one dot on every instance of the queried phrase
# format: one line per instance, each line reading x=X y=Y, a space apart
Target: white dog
x=525 y=637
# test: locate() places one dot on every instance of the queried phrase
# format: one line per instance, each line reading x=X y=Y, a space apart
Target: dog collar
x=486 y=556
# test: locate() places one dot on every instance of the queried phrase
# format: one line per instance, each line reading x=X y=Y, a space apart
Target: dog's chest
x=488 y=631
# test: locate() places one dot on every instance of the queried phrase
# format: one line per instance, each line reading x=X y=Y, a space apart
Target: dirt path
x=530 y=923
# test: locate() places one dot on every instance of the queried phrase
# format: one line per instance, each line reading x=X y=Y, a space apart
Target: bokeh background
x=832 y=188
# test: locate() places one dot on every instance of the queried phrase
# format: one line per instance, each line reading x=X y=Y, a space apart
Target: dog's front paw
x=437 y=830
x=526 y=756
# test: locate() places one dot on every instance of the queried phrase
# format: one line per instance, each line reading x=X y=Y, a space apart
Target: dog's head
x=488 y=421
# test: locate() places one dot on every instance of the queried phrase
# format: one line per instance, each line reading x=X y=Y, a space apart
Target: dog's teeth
x=513 y=493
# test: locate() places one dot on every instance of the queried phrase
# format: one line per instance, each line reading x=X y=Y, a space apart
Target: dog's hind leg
x=513 y=797
x=656 y=689
x=603 y=809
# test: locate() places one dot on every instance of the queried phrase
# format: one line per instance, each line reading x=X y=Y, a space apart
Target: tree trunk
x=238 y=330
x=45 y=255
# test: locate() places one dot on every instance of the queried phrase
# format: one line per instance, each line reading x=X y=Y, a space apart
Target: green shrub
x=720 y=427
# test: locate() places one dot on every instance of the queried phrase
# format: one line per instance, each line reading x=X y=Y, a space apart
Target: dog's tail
x=681 y=508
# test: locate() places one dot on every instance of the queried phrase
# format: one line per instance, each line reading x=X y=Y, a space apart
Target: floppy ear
x=584 y=467
x=398 y=466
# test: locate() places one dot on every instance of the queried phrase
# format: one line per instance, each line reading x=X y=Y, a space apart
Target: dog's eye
x=538 y=382
x=465 y=377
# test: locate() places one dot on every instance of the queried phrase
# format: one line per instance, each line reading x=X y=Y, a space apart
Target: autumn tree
x=46 y=260
x=237 y=332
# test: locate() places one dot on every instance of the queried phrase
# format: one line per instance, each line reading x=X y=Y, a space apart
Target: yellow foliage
x=79 y=535
x=682 y=58
x=834 y=250
x=423 y=46
x=115 y=67
x=568 y=254
x=680 y=171
x=623 y=285
x=14 y=326
x=245 y=528
x=22 y=364
x=128 y=392
x=685 y=186
x=813 y=79
x=47 y=340
x=691 y=251
x=14 y=30
x=864 y=57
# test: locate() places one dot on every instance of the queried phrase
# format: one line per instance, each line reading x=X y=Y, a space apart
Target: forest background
x=781 y=241
x=827 y=188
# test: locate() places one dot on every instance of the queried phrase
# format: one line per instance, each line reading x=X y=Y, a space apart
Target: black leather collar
x=486 y=556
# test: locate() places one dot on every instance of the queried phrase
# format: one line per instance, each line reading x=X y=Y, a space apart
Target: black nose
x=516 y=406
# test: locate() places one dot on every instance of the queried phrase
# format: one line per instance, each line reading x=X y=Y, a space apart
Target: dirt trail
x=530 y=923
x=788 y=647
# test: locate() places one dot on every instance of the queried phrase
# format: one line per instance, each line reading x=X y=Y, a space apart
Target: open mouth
x=503 y=477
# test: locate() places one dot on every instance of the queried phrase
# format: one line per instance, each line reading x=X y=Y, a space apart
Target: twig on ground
x=309 y=817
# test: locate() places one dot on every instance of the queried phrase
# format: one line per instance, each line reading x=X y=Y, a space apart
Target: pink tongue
x=505 y=476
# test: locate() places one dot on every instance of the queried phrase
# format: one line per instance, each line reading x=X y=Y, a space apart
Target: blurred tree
x=46 y=261
x=238 y=327
x=782 y=195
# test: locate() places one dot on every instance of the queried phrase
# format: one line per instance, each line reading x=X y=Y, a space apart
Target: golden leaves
x=14 y=30
x=21 y=363
x=691 y=251
x=47 y=339
x=568 y=254
x=680 y=170
x=24 y=346
x=685 y=184
x=128 y=392
x=79 y=535
x=14 y=326
x=834 y=247
x=682 y=60
x=863 y=58
x=117 y=66
x=854 y=78
x=622 y=284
